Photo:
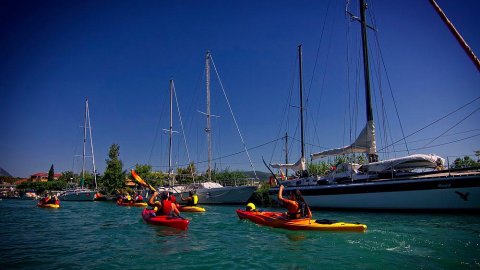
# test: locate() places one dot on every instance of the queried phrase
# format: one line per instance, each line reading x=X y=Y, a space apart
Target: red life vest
x=166 y=207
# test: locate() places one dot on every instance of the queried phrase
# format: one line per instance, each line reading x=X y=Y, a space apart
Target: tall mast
x=286 y=153
x=91 y=146
x=170 y=130
x=302 y=136
x=456 y=34
x=84 y=141
x=209 y=127
x=366 y=72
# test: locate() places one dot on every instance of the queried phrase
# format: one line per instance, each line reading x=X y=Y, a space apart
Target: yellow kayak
x=191 y=209
x=48 y=205
x=278 y=220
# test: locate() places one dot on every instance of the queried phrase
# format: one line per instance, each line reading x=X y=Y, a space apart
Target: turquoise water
x=101 y=235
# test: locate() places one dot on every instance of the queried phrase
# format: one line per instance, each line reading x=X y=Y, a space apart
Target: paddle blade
x=141 y=181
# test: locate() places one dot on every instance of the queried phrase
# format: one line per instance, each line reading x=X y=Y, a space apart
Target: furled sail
x=298 y=166
x=409 y=162
x=365 y=143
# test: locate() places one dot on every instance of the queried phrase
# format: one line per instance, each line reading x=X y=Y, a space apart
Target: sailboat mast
x=170 y=130
x=366 y=71
x=286 y=153
x=302 y=136
x=84 y=141
x=209 y=127
x=91 y=147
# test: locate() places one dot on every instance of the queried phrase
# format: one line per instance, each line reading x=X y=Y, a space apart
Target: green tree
x=320 y=168
x=51 y=173
x=114 y=177
x=465 y=162
x=67 y=176
x=144 y=171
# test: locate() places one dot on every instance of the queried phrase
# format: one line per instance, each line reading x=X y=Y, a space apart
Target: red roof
x=40 y=174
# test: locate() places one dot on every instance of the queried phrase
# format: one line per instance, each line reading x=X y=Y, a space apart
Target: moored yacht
x=413 y=182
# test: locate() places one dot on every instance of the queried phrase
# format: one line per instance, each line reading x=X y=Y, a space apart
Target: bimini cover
x=409 y=162
x=298 y=166
x=365 y=143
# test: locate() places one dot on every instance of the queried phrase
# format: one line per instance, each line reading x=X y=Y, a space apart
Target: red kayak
x=163 y=220
x=278 y=220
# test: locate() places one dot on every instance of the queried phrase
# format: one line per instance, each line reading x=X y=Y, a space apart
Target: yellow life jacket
x=195 y=199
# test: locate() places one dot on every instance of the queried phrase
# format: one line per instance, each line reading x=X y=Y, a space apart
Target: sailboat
x=82 y=192
x=210 y=192
x=415 y=182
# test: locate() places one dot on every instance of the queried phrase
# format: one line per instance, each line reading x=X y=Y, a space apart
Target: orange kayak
x=278 y=220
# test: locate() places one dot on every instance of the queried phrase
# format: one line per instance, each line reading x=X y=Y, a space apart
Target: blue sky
x=121 y=55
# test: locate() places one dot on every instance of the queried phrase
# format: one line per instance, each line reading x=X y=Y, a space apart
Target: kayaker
x=173 y=199
x=296 y=207
x=168 y=207
x=54 y=200
x=191 y=200
x=156 y=205
x=251 y=207
x=45 y=200
x=139 y=198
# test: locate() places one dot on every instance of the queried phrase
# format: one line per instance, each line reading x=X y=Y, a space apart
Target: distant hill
x=4 y=173
x=261 y=175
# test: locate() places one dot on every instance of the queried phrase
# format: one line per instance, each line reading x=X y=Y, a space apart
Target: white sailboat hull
x=77 y=195
x=438 y=199
x=222 y=195
x=461 y=193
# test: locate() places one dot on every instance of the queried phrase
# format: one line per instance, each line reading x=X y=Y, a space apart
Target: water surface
x=101 y=235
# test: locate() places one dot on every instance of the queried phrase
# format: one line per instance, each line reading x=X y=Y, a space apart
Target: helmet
x=250 y=206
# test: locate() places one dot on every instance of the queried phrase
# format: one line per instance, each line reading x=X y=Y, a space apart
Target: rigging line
x=432 y=146
x=318 y=50
x=243 y=151
x=322 y=86
x=183 y=130
x=233 y=116
x=311 y=144
x=448 y=135
x=436 y=121
x=162 y=111
x=391 y=91
x=453 y=126
x=286 y=108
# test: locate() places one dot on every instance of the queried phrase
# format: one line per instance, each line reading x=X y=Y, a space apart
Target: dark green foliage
x=51 y=173
x=40 y=187
x=68 y=176
x=465 y=162
x=9 y=179
x=114 y=177
x=260 y=196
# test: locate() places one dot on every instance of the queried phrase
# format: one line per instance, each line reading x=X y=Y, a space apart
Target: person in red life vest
x=139 y=197
x=156 y=205
x=296 y=206
x=45 y=200
x=54 y=200
x=168 y=207
x=173 y=199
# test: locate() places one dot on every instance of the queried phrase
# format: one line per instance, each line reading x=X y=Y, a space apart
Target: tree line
x=115 y=178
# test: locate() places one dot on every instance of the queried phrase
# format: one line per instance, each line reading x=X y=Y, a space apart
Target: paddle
x=141 y=181
x=274 y=176
x=145 y=184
